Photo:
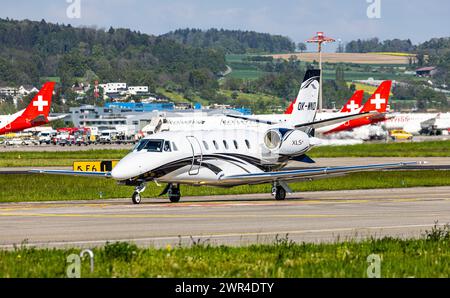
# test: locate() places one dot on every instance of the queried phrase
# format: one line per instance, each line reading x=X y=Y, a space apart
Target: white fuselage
x=203 y=157
x=202 y=122
x=414 y=122
x=6 y=120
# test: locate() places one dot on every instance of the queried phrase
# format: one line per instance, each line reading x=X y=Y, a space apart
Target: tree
x=340 y=73
x=301 y=46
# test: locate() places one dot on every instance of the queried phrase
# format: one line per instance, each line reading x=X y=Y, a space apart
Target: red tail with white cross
x=41 y=103
x=354 y=103
x=379 y=100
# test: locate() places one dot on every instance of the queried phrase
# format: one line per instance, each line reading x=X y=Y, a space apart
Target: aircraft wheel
x=136 y=198
x=174 y=195
x=280 y=194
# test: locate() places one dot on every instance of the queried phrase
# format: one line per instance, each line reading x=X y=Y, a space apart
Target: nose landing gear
x=136 y=197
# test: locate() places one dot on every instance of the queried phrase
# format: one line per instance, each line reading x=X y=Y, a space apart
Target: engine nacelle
x=287 y=142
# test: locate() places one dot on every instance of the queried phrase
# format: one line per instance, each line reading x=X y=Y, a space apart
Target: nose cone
x=129 y=167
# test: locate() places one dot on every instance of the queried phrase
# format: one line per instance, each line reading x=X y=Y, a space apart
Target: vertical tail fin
x=354 y=103
x=380 y=98
x=40 y=105
x=305 y=107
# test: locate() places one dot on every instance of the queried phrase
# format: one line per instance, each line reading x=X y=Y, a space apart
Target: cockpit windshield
x=150 y=145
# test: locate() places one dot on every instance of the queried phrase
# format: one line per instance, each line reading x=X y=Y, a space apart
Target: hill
x=30 y=50
x=233 y=41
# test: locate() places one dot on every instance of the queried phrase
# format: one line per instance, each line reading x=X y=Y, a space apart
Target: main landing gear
x=173 y=192
x=279 y=191
x=136 y=197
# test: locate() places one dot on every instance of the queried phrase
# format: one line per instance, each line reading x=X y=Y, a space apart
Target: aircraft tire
x=280 y=194
x=175 y=198
x=136 y=198
x=174 y=195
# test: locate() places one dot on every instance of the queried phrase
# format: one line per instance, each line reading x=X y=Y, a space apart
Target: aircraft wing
x=73 y=173
x=335 y=120
x=268 y=177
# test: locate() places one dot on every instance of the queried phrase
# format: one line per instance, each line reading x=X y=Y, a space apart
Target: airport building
x=134 y=115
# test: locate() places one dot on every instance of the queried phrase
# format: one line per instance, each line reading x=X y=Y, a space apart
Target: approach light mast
x=320 y=38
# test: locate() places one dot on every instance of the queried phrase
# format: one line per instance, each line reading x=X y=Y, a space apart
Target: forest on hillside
x=233 y=41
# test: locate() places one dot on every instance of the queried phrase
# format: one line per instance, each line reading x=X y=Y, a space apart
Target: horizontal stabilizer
x=335 y=120
x=51 y=119
x=252 y=119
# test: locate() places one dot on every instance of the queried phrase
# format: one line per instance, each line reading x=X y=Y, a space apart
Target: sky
x=343 y=20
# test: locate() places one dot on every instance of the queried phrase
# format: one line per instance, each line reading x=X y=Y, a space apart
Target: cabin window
x=215 y=145
x=236 y=144
x=225 y=144
x=205 y=145
x=174 y=147
x=141 y=145
x=154 y=145
x=167 y=147
x=247 y=143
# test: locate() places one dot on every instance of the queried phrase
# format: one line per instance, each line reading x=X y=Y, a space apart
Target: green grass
x=26 y=188
x=247 y=74
x=399 y=149
x=249 y=96
x=66 y=158
x=61 y=158
x=179 y=98
x=428 y=256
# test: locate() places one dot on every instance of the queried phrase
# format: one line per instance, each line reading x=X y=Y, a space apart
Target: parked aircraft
x=231 y=121
x=377 y=102
x=229 y=157
x=35 y=114
x=419 y=123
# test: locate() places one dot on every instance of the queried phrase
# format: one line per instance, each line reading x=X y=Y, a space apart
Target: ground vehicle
x=72 y=136
x=20 y=141
x=82 y=140
x=64 y=138
x=397 y=135
x=108 y=136
x=15 y=142
x=45 y=137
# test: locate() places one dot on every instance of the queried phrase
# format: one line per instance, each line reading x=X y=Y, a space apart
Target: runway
x=231 y=220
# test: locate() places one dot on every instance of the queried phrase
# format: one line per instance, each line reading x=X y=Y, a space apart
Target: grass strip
x=25 y=188
x=428 y=256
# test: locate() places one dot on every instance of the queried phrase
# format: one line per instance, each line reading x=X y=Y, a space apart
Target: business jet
x=199 y=121
x=35 y=114
x=229 y=157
